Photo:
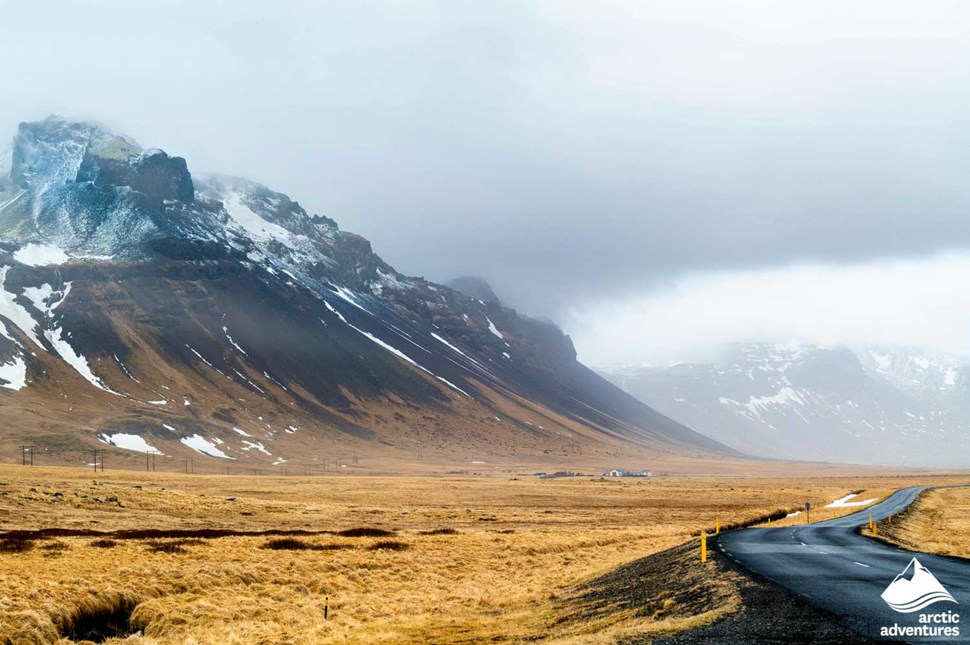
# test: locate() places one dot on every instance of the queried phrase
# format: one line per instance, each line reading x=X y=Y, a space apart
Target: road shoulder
x=671 y=598
x=937 y=522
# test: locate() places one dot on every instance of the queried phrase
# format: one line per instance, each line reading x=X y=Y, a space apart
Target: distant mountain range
x=872 y=405
x=146 y=308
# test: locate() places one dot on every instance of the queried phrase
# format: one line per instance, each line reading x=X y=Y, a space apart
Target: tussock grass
x=103 y=543
x=365 y=532
x=443 y=531
x=173 y=546
x=504 y=581
x=294 y=544
x=389 y=545
x=56 y=545
x=15 y=545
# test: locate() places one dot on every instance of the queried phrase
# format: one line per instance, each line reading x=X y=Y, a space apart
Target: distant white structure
x=619 y=472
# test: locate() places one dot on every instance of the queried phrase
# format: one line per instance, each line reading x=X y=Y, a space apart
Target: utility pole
x=26 y=460
x=98 y=453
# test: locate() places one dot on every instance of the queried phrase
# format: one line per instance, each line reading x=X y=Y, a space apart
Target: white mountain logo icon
x=919 y=590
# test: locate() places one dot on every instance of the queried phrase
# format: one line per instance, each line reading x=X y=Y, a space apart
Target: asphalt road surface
x=836 y=569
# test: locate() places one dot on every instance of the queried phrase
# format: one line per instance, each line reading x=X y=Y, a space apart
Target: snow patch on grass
x=843 y=502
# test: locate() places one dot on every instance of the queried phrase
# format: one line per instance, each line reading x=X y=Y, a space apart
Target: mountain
x=796 y=401
x=210 y=317
x=474 y=287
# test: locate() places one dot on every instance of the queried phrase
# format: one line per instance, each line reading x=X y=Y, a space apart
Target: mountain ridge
x=144 y=279
x=873 y=405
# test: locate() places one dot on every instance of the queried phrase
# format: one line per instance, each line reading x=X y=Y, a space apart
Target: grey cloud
x=561 y=150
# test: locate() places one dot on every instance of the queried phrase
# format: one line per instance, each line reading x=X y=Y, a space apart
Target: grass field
x=445 y=560
x=938 y=522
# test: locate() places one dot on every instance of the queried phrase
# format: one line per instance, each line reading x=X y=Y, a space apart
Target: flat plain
x=177 y=558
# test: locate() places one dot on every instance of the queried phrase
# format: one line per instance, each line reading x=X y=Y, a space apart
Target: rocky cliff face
x=144 y=308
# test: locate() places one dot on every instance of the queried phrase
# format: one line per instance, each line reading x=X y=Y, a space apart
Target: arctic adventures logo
x=913 y=590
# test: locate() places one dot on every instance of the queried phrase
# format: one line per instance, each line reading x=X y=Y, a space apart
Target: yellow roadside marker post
x=870 y=522
x=890 y=519
x=875 y=529
x=717 y=526
x=703 y=546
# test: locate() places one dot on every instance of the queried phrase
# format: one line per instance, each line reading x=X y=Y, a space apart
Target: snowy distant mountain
x=142 y=307
x=873 y=405
x=920 y=373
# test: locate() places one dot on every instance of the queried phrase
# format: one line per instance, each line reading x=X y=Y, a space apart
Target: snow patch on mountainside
x=225 y=330
x=785 y=396
x=127 y=441
x=256 y=445
x=14 y=372
x=45 y=299
x=15 y=312
x=37 y=255
x=202 y=445
x=445 y=342
x=247 y=219
x=377 y=341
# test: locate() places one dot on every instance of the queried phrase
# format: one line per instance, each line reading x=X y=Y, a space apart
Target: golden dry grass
x=518 y=551
x=938 y=522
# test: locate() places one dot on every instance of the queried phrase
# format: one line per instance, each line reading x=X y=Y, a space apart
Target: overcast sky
x=626 y=168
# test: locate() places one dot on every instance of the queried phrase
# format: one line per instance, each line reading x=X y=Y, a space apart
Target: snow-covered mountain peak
x=916 y=370
x=90 y=193
x=54 y=149
x=804 y=401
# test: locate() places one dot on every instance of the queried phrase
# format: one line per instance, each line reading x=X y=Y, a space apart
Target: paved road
x=844 y=573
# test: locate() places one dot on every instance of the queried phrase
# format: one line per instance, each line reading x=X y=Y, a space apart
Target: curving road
x=834 y=568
